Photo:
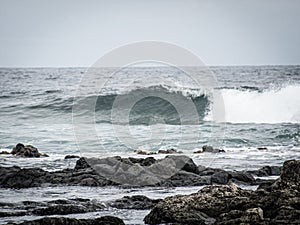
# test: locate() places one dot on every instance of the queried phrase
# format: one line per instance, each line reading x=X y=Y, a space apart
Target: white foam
x=271 y=106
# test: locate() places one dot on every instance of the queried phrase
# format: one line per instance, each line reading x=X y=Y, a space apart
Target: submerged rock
x=72 y=157
x=208 y=148
x=169 y=151
x=143 y=152
x=26 y=151
x=277 y=204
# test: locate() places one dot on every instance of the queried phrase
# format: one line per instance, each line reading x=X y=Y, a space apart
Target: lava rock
x=135 y=202
x=169 y=151
x=72 y=157
x=208 y=148
x=26 y=151
x=276 y=204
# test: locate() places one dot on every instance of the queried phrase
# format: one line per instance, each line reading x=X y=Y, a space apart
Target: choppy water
x=261 y=108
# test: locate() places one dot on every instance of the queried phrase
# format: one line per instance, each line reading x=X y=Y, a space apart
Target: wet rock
x=262 y=148
x=4 y=153
x=169 y=151
x=72 y=157
x=221 y=177
x=60 y=210
x=278 y=203
x=290 y=176
x=208 y=148
x=198 y=208
x=183 y=179
x=12 y=213
x=143 y=152
x=242 y=177
x=134 y=202
x=198 y=151
x=173 y=170
x=105 y=220
x=267 y=171
x=250 y=216
x=26 y=151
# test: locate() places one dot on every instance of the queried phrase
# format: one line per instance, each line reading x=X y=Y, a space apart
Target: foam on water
x=270 y=106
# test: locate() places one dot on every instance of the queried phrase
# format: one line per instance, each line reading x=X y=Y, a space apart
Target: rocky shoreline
x=221 y=201
x=171 y=171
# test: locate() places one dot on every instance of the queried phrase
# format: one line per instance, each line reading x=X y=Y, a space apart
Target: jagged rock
x=262 y=148
x=143 y=152
x=26 y=151
x=221 y=177
x=5 y=153
x=134 y=202
x=72 y=157
x=173 y=170
x=169 y=151
x=242 y=176
x=290 y=176
x=199 y=208
x=276 y=204
x=208 y=148
x=267 y=171
x=252 y=216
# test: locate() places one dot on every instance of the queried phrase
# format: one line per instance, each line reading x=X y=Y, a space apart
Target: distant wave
x=242 y=105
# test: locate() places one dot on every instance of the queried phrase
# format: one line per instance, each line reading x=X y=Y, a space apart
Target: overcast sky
x=78 y=32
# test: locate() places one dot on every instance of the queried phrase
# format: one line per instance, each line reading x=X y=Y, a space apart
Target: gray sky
x=78 y=32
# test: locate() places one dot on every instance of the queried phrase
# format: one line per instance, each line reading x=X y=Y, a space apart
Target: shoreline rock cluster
x=221 y=202
x=25 y=151
x=171 y=171
x=276 y=203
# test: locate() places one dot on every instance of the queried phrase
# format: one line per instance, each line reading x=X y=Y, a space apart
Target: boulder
x=72 y=157
x=208 y=148
x=143 y=152
x=169 y=151
x=26 y=151
x=134 y=202
x=278 y=203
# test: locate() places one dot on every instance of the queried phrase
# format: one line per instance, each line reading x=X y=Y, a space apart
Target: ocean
x=260 y=108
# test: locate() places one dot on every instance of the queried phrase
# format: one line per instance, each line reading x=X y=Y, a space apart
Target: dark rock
x=198 y=208
x=267 y=171
x=173 y=170
x=242 y=176
x=184 y=163
x=4 y=153
x=81 y=164
x=252 y=216
x=60 y=210
x=26 y=151
x=290 y=176
x=183 y=178
x=169 y=151
x=72 y=157
x=134 y=202
x=262 y=148
x=142 y=152
x=208 y=148
x=221 y=177
x=276 y=203
x=12 y=213
x=198 y=151
x=105 y=220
